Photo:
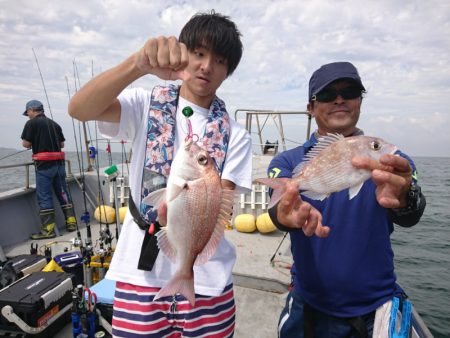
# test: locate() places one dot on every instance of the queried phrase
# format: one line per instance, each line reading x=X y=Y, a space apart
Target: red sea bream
x=327 y=167
x=198 y=209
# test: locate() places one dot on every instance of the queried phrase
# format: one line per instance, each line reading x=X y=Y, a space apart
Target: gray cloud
x=400 y=47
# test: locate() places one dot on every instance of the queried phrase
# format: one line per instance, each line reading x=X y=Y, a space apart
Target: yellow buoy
x=106 y=215
x=245 y=223
x=122 y=213
x=265 y=224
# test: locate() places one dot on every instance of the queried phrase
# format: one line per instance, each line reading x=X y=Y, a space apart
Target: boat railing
x=27 y=166
x=267 y=124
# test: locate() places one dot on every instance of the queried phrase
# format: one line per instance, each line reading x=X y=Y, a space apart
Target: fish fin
x=155 y=198
x=177 y=186
x=278 y=186
x=179 y=284
x=223 y=219
x=165 y=246
x=315 y=195
x=322 y=143
x=353 y=191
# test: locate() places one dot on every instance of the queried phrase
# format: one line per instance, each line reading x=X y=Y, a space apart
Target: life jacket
x=49 y=156
x=159 y=157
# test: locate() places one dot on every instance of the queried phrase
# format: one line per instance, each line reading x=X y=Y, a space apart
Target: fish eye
x=375 y=145
x=202 y=159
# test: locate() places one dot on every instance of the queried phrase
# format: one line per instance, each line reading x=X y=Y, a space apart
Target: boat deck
x=260 y=286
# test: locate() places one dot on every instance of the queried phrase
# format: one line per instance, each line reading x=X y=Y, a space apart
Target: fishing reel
x=105 y=235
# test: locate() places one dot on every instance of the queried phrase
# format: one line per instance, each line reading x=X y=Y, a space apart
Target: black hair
x=215 y=32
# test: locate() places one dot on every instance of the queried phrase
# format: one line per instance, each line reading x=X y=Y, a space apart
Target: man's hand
x=392 y=176
x=164 y=57
x=294 y=213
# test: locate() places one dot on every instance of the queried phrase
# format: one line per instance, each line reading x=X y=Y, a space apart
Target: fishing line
x=43 y=84
x=79 y=240
x=279 y=245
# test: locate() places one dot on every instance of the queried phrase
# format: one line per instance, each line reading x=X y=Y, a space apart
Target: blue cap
x=331 y=72
x=33 y=104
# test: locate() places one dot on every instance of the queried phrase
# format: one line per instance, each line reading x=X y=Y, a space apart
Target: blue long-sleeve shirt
x=351 y=272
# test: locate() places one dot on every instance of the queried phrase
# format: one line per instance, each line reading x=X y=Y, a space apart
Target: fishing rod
x=43 y=84
x=87 y=251
x=78 y=241
x=17 y=152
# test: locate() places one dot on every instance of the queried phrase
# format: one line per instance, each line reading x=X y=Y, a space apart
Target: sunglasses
x=328 y=94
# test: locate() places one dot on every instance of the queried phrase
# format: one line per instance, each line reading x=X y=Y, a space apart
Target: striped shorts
x=136 y=314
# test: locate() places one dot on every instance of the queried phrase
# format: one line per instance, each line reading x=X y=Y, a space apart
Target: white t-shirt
x=212 y=277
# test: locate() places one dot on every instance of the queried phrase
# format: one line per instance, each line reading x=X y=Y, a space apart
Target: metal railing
x=27 y=166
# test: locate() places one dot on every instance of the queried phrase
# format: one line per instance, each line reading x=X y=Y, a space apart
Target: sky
x=401 y=49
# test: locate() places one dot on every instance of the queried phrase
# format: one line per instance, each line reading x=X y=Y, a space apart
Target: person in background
x=207 y=51
x=343 y=267
x=45 y=137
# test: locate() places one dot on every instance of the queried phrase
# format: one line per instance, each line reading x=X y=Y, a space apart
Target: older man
x=343 y=260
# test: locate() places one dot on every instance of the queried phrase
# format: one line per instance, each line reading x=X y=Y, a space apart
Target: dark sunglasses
x=328 y=94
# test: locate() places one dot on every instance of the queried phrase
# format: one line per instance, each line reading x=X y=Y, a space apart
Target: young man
x=206 y=53
x=46 y=139
x=343 y=261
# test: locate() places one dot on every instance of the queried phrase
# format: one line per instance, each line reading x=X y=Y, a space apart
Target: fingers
x=400 y=164
x=290 y=199
x=165 y=57
x=295 y=213
x=369 y=163
x=392 y=175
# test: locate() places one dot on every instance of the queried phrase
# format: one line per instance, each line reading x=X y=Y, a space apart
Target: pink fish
x=328 y=167
x=198 y=210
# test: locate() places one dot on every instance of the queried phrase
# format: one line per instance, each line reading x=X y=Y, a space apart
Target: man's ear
x=310 y=107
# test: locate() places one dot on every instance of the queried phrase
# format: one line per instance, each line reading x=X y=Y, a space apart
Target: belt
x=149 y=249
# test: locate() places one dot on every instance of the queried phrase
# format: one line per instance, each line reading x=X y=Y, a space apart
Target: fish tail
x=181 y=284
x=278 y=186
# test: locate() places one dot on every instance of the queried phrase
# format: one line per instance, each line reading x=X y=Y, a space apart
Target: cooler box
x=26 y=264
x=36 y=298
x=105 y=297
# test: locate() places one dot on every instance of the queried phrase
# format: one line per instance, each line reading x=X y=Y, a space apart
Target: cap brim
x=25 y=113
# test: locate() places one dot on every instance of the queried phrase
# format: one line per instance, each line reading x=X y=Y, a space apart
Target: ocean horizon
x=422 y=257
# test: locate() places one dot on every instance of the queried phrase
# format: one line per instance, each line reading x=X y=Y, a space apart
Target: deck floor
x=260 y=286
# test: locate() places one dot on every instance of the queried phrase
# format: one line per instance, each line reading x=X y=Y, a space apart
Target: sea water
x=422 y=253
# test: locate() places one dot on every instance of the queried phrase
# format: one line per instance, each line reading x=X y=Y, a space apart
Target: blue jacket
x=351 y=272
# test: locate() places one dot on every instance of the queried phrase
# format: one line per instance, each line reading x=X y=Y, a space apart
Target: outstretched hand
x=164 y=57
x=392 y=175
x=294 y=213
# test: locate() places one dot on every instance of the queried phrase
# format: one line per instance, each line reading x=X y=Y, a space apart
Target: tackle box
x=35 y=299
x=26 y=264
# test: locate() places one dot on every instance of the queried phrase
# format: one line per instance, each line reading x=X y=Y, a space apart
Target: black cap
x=33 y=104
x=331 y=72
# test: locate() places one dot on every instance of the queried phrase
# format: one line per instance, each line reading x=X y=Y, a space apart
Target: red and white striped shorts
x=136 y=314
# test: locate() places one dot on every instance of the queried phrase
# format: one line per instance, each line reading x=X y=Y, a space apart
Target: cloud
x=400 y=48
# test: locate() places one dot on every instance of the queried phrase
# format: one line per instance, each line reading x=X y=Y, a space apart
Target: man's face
x=31 y=113
x=206 y=72
x=340 y=115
